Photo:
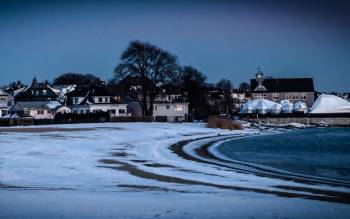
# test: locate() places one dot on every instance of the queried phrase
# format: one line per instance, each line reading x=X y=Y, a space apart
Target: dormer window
x=75 y=100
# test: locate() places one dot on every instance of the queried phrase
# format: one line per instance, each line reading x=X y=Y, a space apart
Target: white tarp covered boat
x=300 y=107
x=287 y=106
x=326 y=104
x=260 y=106
x=276 y=109
x=248 y=107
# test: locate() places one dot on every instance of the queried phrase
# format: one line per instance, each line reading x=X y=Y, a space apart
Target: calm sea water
x=318 y=151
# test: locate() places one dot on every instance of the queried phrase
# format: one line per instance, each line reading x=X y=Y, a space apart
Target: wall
x=287 y=95
x=336 y=121
x=34 y=112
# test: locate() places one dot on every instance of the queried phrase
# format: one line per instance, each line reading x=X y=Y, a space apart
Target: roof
x=90 y=100
x=285 y=85
x=3 y=93
x=37 y=92
x=34 y=104
x=91 y=91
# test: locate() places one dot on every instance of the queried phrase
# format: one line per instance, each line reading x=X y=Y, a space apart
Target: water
x=318 y=151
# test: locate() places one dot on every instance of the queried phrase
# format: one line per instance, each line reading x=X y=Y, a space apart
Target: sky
x=223 y=39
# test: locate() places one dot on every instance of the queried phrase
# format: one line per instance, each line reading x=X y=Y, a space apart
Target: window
x=100 y=100
x=40 y=112
x=26 y=112
x=155 y=108
x=44 y=91
x=275 y=96
x=75 y=100
x=106 y=99
x=178 y=108
x=121 y=111
x=167 y=107
x=4 y=112
x=303 y=96
x=9 y=103
x=112 y=111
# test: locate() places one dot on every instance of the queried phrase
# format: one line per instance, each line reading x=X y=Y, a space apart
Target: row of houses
x=42 y=101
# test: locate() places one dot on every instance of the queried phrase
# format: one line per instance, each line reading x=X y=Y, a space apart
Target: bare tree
x=244 y=86
x=193 y=83
x=152 y=66
x=224 y=85
x=76 y=78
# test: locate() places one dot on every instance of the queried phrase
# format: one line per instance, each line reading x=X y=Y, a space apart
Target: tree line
x=153 y=66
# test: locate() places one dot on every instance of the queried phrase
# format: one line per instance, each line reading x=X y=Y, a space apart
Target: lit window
x=178 y=108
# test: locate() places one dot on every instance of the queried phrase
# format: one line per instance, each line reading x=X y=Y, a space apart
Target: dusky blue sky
x=223 y=39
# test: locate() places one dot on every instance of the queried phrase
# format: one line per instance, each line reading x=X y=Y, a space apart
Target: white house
x=96 y=99
x=173 y=111
x=6 y=102
x=37 y=109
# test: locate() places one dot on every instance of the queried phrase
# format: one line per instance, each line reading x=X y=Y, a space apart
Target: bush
x=223 y=123
x=81 y=118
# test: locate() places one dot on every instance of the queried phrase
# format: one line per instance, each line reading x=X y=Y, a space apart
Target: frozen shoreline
x=104 y=162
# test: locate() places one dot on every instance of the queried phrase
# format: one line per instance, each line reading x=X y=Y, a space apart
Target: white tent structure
x=327 y=103
x=263 y=106
x=260 y=106
x=287 y=106
x=248 y=107
x=300 y=107
x=276 y=109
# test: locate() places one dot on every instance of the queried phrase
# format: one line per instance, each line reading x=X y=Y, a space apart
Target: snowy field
x=130 y=170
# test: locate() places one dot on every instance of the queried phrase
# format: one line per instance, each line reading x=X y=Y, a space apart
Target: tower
x=259 y=76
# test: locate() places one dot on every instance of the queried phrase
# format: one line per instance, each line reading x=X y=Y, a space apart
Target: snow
x=53 y=104
x=327 y=103
x=62 y=176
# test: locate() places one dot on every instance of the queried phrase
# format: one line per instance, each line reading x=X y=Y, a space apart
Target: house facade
x=6 y=102
x=173 y=111
x=96 y=99
x=37 y=109
x=37 y=92
x=292 y=89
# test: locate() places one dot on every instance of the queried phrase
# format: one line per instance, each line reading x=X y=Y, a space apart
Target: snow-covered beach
x=149 y=170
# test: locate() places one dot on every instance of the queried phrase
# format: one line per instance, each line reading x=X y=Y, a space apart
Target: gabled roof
x=34 y=104
x=89 y=93
x=90 y=100
x=38 y=94
x=3 y=93
x=285 y=85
